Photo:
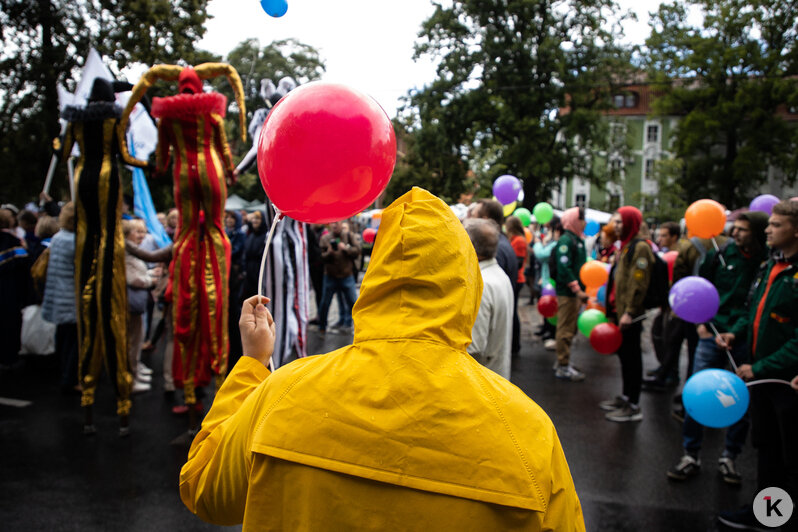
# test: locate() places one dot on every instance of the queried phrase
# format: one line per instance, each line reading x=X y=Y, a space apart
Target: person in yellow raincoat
x=402 y=430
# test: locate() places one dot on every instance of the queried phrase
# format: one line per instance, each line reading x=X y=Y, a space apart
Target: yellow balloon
x=510 y=208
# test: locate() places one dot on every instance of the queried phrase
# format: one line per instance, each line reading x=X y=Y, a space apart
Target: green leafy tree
x=520 y=87
x=44 y=43
x=733 y=78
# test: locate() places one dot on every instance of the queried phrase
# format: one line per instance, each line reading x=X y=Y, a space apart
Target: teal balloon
x=589 y=319
x=524 y=215
x=274 y=8
x=543 y=212
x=715 y=397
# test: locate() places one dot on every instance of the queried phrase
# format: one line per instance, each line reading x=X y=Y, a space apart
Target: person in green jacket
x=731 y=271
x=770 y=329
x=570 y=255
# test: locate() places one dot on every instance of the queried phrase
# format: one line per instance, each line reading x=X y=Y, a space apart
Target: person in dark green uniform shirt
x=770 y=327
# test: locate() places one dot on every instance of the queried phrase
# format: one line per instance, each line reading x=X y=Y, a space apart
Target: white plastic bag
x=38 y=335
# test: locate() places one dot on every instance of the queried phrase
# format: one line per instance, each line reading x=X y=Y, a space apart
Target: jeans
x=709 y=355
x=331 y=286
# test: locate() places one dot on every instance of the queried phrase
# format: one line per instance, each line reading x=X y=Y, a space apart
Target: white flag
x=92 y=69
x=142 y=130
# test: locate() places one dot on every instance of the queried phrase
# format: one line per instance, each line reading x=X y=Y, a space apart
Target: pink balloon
x=369 y=235
x=325 y=152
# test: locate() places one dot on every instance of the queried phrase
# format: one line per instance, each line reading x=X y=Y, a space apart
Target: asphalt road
x=55 y=478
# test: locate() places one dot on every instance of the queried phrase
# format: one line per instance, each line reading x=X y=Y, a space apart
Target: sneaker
x=742 y=519
x=143 y=377
x=687 y=467
x=550 y=344
x=658 y=384
x=611 y=405
x=139 y=387
x=728 y=471
x=627 y=412
x=569 y=373
x=144 y=370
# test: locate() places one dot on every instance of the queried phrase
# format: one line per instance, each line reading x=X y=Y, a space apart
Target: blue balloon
x=694 y=299
x=601 y=295
x=274 y=8
x=592 y=228
x=715 y=398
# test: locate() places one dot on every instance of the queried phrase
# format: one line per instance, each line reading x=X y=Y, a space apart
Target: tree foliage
x=44 y=42
x=733 y=78
x=519 y=89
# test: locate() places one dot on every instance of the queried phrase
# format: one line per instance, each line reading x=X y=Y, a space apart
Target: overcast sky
x=367 y=44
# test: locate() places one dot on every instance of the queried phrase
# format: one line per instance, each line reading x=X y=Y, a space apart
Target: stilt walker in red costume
x=191 y=127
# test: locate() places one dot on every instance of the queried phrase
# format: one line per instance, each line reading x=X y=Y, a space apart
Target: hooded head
x=573 y=220
x=189 y=82
x=423 y=281
x=101 y=91
x=631 y=218
x=758 y=221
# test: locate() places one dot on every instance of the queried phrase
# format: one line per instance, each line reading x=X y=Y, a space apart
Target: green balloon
x=524 y=215
x=589 y=319
x=552 y=282
x=543 y=212
x=552 y=320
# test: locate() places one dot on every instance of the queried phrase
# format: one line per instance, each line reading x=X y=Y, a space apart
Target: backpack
x=659 y=285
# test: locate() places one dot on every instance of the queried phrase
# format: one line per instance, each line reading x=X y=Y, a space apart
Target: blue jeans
x=331 y=286
x=709 y=355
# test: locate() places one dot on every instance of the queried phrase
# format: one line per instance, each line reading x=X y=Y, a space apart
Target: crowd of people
x=752 y=266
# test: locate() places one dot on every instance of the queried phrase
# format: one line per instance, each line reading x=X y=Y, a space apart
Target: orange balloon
x=592 y=291
x=705 y=218
x=593 y=274
x=528 y=235
x=592 y=303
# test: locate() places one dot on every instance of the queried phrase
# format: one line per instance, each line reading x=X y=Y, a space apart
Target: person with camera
x=339 y=248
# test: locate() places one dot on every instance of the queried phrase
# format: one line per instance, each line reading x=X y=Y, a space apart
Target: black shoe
x=742 y=519
x=654 y=384
x=687 y=467
x=728 y=471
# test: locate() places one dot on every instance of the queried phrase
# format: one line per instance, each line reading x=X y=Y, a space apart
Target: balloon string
x=645 y=315
x=717 y=250
x=728 y=352
x=278 y=216
x=765 y=381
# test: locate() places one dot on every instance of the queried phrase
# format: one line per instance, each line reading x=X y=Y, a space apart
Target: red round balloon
x=325 y=152
x=547 y=306
x=670 y=260
x=369 y=235
x=606 y=338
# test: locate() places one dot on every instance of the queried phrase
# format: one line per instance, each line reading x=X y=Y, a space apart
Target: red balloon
x=670 y=260
x=606 y=338
x=369 y=235
x=325 y=152
x=547 y=306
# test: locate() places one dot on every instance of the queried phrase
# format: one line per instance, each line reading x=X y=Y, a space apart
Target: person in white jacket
x=492 y=331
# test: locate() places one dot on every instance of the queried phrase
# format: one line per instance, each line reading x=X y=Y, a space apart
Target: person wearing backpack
x=569 y=255
x=627 y=289
x=732 y=276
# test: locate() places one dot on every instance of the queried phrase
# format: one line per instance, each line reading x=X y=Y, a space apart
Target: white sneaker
x=550 y=344
x=139 y=387
x=144 y=370
x=569 y=373
x=143 y=377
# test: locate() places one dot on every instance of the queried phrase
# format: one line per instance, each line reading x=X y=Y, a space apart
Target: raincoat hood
x=405 y=404
x=423 y=281
x=632 y=218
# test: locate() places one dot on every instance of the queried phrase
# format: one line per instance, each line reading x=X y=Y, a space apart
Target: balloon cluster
x=605 y=337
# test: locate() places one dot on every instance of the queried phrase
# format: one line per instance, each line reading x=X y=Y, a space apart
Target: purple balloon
x=506 y=189
x=764 y=203
x=694 y=299
x=548 y=290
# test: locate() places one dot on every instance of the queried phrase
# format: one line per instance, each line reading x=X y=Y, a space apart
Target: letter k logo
x=772 y=506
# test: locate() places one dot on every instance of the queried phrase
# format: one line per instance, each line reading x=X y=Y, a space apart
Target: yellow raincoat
x=402 y=430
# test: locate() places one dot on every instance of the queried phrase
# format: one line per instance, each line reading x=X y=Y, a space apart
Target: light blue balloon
x=715 y=398
x=592 y=228
x=274 y=8
x=601 y=295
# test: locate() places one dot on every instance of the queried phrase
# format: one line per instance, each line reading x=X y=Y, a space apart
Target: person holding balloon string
x=626 y=292
x=542 y=249
x=770 y=328
x=744 y=255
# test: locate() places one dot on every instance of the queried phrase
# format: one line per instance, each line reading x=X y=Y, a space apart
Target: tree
x=519 y=90
x=44 y=43
x=732 y=78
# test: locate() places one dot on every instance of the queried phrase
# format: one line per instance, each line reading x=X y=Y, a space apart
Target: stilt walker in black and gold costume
x=100 y=287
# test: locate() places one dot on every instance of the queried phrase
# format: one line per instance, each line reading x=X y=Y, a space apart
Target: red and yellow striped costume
x=191 y=127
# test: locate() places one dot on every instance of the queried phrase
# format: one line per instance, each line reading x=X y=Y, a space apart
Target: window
x=616 y=165
x=649 y=170
x=625 y=100
x=615 y=202
x=652 y=134
x=617 y=101
x=631 y=100
x=581 y=200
